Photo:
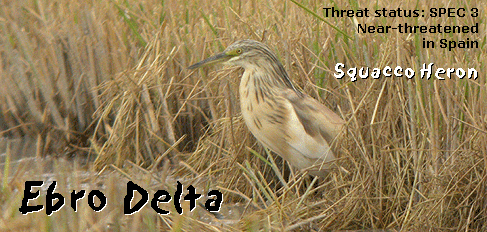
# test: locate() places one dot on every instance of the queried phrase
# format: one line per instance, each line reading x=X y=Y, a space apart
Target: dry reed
x=110 y=79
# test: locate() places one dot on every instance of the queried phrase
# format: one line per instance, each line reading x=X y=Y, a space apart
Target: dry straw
x=108 y=79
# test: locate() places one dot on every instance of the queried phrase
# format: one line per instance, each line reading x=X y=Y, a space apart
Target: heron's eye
x=238 y=51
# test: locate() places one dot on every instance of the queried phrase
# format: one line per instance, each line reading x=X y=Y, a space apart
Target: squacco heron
x=290 y=123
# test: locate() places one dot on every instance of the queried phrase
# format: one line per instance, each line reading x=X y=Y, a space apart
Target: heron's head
x=251 y=54
x=243 y=53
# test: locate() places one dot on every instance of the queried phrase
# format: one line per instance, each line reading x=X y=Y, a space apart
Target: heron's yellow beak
x=218 y=58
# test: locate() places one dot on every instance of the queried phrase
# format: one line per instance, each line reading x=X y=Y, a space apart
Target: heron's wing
x=321 y=125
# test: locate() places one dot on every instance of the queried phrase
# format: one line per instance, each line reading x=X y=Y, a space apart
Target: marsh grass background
x=107 y=80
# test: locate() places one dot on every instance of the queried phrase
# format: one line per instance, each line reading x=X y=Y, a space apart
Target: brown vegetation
x=108 y=79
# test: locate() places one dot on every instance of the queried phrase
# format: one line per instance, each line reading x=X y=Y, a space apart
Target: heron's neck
x=268 y=76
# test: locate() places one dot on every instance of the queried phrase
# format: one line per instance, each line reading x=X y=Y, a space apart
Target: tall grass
x=109 y=79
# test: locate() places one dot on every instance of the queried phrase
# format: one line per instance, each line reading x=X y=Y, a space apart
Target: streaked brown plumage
x=285 y=120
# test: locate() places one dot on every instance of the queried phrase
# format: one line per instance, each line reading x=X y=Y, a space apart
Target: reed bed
x=107 y=80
